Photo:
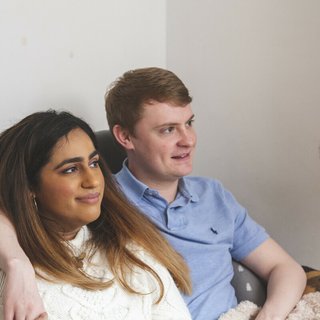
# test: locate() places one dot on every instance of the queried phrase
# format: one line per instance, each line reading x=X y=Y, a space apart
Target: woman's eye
x=94 y=164
x=69 y=170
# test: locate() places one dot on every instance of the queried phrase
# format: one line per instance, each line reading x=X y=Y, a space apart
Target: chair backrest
x=110 y=150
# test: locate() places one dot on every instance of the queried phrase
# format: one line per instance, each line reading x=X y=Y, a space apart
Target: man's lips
x=90 y=198
x=181 y=156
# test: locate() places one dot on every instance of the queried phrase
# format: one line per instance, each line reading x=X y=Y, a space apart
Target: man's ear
x=123 y=137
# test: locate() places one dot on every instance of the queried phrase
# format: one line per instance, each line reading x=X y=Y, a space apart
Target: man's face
x=163 y=144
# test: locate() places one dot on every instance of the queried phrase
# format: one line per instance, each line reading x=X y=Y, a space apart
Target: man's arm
x=286 y=279
x=20 y=297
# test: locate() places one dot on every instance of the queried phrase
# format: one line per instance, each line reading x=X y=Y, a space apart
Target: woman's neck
x=69 y=235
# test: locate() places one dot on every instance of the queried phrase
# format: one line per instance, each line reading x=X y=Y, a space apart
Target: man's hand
x=21 y=298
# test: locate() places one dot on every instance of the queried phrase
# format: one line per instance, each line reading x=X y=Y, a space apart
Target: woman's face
x=71 y=184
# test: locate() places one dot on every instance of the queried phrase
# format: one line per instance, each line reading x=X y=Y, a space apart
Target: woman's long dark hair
x=24 y=149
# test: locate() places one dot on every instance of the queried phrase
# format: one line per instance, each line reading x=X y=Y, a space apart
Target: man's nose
x=187 y=138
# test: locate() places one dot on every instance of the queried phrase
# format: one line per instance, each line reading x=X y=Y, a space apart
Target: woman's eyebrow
x=75 y=159
x=93 y=154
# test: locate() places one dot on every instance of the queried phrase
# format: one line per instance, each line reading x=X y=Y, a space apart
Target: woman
x=95 y=256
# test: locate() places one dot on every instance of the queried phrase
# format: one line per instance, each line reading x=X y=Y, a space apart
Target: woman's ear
x=123 y=137
x=33 y=197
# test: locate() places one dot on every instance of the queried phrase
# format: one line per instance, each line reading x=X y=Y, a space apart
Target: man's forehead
x=166 y=112
x=163 y=114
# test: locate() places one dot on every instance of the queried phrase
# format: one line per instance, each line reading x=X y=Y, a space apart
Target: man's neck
x=167 y=189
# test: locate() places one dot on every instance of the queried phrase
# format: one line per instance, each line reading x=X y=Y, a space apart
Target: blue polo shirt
x=208 y=227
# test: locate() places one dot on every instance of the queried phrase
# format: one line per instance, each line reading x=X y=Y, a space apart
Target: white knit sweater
x=64 y=301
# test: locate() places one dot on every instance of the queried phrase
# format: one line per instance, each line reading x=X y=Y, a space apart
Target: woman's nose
x=91 y=178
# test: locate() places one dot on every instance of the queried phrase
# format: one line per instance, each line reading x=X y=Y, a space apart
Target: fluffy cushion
x=308 y=308
x=245 y=310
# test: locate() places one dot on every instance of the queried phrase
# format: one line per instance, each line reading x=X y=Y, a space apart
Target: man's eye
x=190 y=123
x=168 y=130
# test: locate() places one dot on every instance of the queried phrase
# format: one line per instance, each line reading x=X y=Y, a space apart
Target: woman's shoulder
x=146 y=276
x=171 y=305
x=147 y=258
x=143 y=255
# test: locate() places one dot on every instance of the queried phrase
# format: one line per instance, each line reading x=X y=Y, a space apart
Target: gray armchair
x=247 y=285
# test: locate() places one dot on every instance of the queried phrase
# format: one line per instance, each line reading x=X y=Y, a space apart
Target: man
x=149 y=112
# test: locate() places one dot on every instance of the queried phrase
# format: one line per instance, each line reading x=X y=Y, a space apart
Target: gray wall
x=253 y=68
x=63 y=53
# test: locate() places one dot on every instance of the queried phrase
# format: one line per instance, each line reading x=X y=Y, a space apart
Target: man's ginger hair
x=126 y=97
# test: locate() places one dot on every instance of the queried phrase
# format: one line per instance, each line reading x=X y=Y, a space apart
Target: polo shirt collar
x=187 y=190
x=131 y=186
x=135 y=189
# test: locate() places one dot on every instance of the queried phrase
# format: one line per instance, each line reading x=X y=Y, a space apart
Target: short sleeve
x=248 y=234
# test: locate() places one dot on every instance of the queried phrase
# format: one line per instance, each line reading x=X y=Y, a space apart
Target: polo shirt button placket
x=175 y=220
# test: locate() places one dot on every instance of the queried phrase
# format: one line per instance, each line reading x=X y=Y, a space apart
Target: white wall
x=253 y=68
x=64 y=53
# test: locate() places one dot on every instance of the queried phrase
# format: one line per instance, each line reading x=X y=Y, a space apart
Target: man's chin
x=183 y=173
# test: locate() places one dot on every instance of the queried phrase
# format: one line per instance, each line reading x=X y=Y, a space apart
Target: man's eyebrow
x=173 y=123
x=191 y=118
x=75 y=159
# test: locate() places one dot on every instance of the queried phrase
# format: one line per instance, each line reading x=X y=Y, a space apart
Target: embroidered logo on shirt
x=214 y=230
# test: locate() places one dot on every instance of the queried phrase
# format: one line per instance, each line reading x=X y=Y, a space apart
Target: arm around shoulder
x=10 y=249
x=20 y=295
x=286 y=279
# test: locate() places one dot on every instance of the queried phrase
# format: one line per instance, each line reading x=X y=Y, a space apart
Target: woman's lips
x=91 y=198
